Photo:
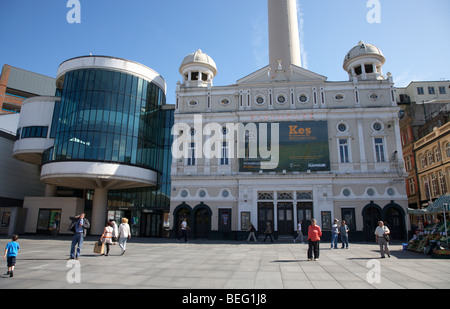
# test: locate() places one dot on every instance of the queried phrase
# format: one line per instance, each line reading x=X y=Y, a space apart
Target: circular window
x=224 y=101
x=192 y=103
x=377 y=126
x=390 y=191
x=342 y=127
x=339 y=97
x=183 y=193
x=260 y=100
x=374 y=96
x=370 y=192
x=303 y=98
x=225 y=193
x=346 y=192
x=281 y=99
x=202 y=193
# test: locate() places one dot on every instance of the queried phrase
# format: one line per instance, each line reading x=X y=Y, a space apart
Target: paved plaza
x=154 y=264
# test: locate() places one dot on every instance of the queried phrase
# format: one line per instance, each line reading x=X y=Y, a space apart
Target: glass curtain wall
x=108 y=116
x=151 y=197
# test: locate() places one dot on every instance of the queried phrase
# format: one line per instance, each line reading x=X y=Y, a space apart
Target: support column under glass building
x=111 y=132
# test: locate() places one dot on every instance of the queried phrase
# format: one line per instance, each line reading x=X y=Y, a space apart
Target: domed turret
x=365 y=62
x=198 y=70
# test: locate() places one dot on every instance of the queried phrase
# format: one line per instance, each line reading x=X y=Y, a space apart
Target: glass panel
x=281 y=214
x=300 y=214
x=308 y=214
x=43 y=219
x=289 y=214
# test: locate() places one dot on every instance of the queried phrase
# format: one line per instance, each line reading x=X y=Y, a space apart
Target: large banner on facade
x=303 y=146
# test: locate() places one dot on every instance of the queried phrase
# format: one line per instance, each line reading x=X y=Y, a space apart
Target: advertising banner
x=302 y=146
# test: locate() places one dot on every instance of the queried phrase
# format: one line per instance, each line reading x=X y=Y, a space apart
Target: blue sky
x=412 y=34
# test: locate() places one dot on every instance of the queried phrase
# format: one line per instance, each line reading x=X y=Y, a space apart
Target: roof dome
x=362 y=50
x=199 y=58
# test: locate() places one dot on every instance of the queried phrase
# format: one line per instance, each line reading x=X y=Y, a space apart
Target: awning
x=440 y=205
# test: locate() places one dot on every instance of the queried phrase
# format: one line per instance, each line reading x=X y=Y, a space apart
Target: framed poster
x=245 y=220
x=225 y=220
x=326 y=220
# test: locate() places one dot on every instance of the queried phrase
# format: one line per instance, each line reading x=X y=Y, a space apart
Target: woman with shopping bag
x=107 y=235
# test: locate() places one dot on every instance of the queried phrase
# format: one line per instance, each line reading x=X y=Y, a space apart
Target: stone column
x=99 y=211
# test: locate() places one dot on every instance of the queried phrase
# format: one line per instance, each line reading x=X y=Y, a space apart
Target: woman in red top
x=314 y=233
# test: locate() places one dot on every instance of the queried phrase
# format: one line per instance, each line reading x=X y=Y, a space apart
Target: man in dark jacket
x=79 y=227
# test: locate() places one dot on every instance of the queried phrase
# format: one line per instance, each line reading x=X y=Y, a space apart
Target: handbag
x=99 y=247
x=386 y=236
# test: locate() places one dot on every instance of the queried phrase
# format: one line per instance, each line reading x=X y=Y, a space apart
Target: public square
x=168 y=264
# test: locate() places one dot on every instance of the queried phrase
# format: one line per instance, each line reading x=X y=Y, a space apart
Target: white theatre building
x=338 y=152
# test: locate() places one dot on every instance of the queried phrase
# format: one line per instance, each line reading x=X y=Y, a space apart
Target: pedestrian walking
x=107 y=236
x=382 y=238
x=11 y=251
x=343 y=232
x=115 y=235
x=334 y=233
x=124 y=234
x=314 y=234
x=299 y=232
x=268 y=232
x=252 y=231
x=184 y=227
x=79 y=228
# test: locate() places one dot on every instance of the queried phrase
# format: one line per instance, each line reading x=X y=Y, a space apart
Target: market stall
x=433 y=239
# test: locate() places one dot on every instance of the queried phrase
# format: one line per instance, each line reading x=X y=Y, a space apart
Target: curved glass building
x=108 y=116
x=108 y=129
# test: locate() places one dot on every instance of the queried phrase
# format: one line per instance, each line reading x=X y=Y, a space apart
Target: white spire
x=284 y=37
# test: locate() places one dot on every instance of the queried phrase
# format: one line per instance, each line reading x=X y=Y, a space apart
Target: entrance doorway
x=305 y=214
x=48 y=221
x=371 y=215
x=202 y=223
x=285 y=218
x=395 y=221
x=151 y=224
x=183 y=212
x=265 y=214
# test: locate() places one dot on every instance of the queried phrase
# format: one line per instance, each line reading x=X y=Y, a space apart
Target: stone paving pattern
x=167 y=264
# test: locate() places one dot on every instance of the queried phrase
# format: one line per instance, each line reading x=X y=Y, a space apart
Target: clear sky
x=412 y=34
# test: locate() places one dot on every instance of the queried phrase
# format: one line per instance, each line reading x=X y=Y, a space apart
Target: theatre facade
x=284 y=145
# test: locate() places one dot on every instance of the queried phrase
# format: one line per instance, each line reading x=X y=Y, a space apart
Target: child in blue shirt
x=11 y=250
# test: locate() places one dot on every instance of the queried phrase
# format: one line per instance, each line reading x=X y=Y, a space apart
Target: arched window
x=447 y=150
x=423 y=161
x=430 y=157
x=437 y=154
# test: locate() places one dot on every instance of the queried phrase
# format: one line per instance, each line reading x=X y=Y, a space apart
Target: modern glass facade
x=108 y=116
x=151 y=197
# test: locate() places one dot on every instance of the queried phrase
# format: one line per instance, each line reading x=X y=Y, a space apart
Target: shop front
x=143 y=222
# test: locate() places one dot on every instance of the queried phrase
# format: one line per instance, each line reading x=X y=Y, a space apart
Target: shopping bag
x=99 y=247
